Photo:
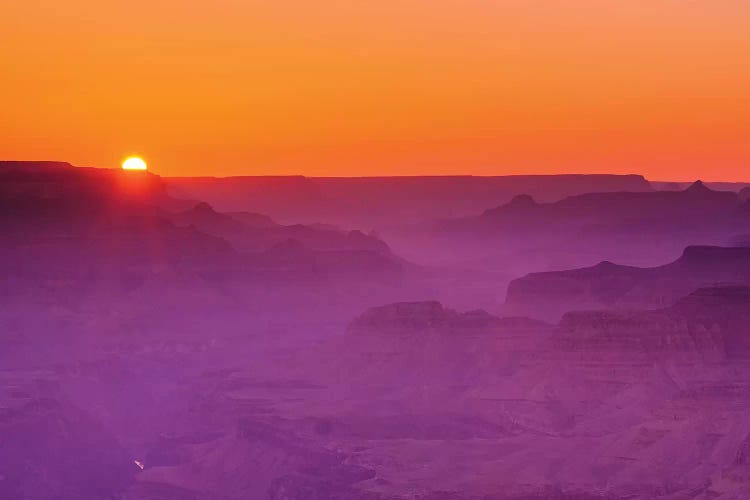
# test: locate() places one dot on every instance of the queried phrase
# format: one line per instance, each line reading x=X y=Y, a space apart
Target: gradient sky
x=389 y=87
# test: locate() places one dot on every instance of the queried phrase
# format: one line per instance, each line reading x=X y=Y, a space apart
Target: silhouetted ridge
x=62 y=184
x=606 y=265
x=34 y=166
x=593 y=220
x=610 y=286
x=203 y=208
x=518 y=203
x=202 y=213
x=256 y=233
x=698 y=187
x=203 y=217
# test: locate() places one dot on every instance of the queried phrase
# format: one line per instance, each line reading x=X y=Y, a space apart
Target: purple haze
x=572 y=337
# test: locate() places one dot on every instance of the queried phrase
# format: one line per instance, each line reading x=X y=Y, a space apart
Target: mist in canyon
x=430 y=338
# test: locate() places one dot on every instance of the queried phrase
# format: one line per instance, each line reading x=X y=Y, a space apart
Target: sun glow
x=134 y=163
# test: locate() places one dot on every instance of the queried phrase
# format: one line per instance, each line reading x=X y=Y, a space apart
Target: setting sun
x=134 y=163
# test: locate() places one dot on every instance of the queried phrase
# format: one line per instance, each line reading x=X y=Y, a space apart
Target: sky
x=389 y=87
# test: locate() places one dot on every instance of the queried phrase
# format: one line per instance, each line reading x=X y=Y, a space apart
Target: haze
x=350 y=88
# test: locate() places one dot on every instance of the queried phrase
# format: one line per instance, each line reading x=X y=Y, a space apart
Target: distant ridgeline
x=367 y=202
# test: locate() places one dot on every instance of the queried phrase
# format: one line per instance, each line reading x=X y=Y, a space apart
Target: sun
x=134 y=163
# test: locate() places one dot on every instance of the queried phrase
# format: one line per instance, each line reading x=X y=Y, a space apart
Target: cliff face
x=610 y=286
x=639 y=336
x=710 y=324
x=426 y=348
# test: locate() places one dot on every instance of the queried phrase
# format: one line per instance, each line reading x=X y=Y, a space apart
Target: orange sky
x=389 y=87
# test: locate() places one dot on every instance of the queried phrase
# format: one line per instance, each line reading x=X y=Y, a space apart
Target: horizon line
x=405 y=176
